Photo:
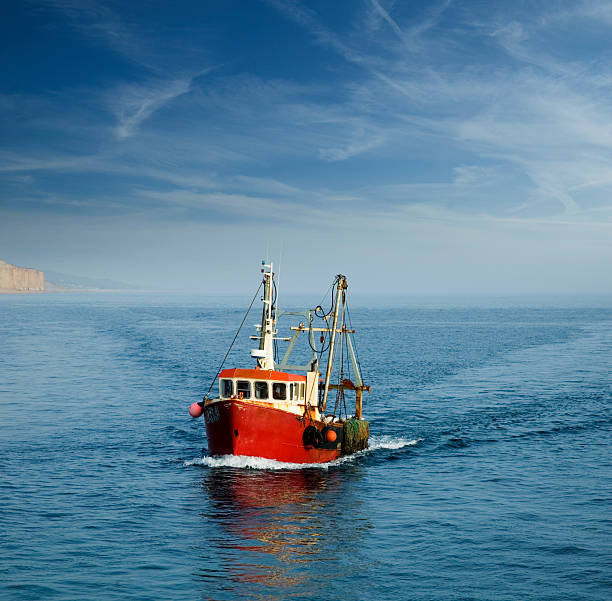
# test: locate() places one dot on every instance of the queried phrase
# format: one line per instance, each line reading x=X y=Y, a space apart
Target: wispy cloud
x=307 y=19
x=385 y=15
x=528 y=121
x=534 y=116
x=235 y=207
x=98 y=22
x=411 y=33
x=267 y=186
x=359 y=141
x=11 y=162
x=134 y=104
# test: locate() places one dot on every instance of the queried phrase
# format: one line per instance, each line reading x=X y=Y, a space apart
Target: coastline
x=61 y=291
x=23 y=291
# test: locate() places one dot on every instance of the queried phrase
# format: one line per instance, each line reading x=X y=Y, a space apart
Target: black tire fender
x=312 y=437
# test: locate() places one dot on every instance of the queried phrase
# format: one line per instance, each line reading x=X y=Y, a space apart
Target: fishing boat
x=266 y=410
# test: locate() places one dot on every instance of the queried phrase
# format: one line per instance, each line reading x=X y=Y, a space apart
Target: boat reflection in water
x=276 y=533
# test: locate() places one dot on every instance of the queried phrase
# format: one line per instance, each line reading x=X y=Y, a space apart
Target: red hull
x=237 y=427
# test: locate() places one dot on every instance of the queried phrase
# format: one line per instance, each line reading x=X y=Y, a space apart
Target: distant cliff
x=20 y=279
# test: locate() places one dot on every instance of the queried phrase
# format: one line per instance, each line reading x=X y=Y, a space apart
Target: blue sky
x=430 y=148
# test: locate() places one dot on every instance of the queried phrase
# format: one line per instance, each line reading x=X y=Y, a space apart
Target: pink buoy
x=195 y=410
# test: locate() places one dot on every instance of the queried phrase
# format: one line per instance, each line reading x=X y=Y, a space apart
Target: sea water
x=489 y=474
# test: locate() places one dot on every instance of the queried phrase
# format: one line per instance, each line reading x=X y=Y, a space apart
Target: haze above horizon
x=444 y=148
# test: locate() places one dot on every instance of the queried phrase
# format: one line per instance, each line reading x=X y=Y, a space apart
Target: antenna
x=280 y=262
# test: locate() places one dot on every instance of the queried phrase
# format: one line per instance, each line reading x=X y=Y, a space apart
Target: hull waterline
x=235 y=427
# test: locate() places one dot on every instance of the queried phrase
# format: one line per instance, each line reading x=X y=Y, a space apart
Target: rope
x=353 y=339
x=348 y=314
x=331 y=291
x=232 y=344
x=321 y=314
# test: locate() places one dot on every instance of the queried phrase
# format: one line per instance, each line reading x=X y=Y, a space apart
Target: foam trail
x=391 y=442
x=260 y=463
x=254 y=463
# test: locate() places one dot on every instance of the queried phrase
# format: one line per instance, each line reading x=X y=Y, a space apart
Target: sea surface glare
x=489 y=475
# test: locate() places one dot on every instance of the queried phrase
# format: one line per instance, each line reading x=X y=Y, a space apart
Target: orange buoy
x=331 y=435
x=195 y=410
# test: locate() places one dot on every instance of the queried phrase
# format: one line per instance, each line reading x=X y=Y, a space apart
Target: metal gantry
x=267 y=332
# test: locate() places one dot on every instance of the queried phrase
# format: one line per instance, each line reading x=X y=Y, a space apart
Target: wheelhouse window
x=291 y=392
x=302 y=391
x=243 y=389
x=279 y=391
x=261 y=390
x=227 y=389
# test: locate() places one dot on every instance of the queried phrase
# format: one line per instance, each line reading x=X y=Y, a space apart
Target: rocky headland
x=20 y=279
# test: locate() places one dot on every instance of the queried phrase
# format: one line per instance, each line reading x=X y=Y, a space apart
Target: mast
x=342 y=285
x=265 y=353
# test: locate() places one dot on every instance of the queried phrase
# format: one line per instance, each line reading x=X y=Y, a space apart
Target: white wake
x=391 y=442
x=260 y=463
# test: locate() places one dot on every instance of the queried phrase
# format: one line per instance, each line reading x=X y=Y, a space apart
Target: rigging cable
x=348 y=314
x=321 y=314
x=340 y=397
x=331 y=290
x=232 y=344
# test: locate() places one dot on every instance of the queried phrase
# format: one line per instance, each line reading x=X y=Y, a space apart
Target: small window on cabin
x=291 y=391
x=243 y=389
x=279 y=391
x=261 y=390
x=302 y=390
x=227 y=388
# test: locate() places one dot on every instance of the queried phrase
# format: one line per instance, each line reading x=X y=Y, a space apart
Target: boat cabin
x=280 y=389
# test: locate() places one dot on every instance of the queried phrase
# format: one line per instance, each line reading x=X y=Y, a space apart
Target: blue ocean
x=489 y=475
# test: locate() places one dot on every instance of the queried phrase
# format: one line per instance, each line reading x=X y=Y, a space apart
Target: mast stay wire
x=234 y=340
x=340 y=400
x=348 y=314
